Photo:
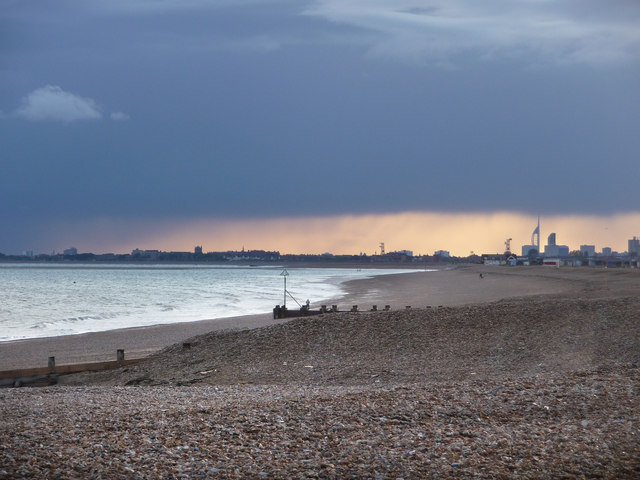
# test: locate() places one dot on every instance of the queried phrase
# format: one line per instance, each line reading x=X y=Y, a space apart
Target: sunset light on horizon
x=420 y=232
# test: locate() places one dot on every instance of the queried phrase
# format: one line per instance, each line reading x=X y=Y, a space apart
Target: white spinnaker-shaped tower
x=535 y=236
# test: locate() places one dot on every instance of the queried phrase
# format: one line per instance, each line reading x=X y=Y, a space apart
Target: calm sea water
x=50 y=300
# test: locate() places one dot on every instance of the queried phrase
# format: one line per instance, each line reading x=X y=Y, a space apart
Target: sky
x=314 y=126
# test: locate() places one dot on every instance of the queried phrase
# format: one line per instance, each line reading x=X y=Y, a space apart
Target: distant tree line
x=258 y=257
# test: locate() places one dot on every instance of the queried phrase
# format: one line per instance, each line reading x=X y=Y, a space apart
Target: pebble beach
x=478 y=379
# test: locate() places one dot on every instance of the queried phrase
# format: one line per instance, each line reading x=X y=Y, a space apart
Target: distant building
x=493 y=259
x=529 y=250
x=606 y=251
x=198 y=250
x=634 y=247
x=441 y=253
x=153 y=254
x=588 y=250
x=553 y=250
x=551 y=240
x=70 y=251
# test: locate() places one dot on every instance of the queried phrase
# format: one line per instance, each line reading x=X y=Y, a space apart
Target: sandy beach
x=446 y=287
x=523 y=372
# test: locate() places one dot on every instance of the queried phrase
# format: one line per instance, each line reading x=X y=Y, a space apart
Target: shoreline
x=540 y=385
x=137 y=342
x=456 y=286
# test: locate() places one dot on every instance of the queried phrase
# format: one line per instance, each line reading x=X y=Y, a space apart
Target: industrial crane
x=507 y=244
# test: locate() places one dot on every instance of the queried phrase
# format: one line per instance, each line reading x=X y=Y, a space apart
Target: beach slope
x=538 y=381
x=445 y=287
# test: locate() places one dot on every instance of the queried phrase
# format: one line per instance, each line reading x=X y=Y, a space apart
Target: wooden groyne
x=305 y=311
x=43 y=376
x=284 y=312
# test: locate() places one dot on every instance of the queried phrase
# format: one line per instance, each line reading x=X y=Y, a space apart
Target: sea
x=46 y=300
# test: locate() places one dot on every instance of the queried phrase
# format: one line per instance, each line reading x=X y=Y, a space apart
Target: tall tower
x=535 y=236
x=534 y=246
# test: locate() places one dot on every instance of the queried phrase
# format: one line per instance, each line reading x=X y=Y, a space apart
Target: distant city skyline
x=417 y=231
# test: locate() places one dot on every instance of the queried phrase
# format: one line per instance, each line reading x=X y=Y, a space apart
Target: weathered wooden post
x=120 y=355
x=285 y=274
x=408 y=307
x=374 y=308
x=387 y=308
x=354 y=308
x=52 y=363
x=334 y=308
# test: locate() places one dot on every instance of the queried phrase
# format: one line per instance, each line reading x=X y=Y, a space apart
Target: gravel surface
x=516 y=337
x=538 y=387
x=579 y=425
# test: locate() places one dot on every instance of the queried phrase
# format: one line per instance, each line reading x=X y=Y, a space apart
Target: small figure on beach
x=481 y=276
x=308 y=303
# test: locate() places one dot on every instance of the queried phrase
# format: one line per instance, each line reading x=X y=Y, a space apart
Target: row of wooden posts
x=354 y=308
x=284 y=312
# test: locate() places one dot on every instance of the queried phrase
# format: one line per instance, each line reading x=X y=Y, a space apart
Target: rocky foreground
x=530 y=388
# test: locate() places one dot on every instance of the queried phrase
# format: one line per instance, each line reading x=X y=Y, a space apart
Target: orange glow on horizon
x=421 y=232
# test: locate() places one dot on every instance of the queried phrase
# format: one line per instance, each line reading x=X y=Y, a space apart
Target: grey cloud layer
x=574 y=31
x=562 y=31
x=277 y=108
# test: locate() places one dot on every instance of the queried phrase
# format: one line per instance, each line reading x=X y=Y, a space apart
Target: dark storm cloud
x=243 y=109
